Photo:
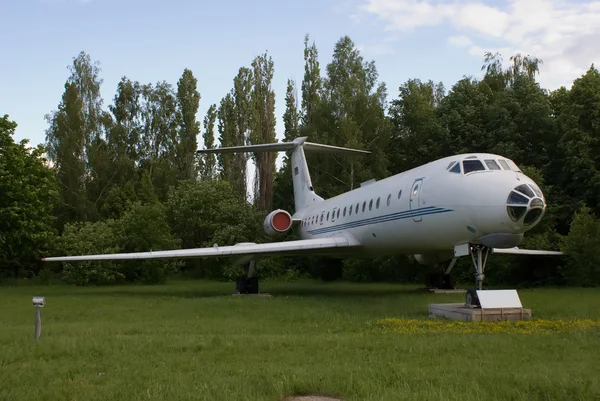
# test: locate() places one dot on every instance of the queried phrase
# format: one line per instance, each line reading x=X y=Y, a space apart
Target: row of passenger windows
x=471 y=164
x=336 y=213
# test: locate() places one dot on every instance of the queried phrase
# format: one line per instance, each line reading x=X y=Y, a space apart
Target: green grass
x=192 y=341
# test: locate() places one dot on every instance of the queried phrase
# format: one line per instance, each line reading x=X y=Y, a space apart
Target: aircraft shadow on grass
x=307 y=291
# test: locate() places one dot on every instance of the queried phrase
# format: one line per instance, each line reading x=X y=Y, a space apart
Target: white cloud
x=562 y=33
x=355 y=18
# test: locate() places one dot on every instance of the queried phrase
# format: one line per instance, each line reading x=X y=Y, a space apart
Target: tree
x=350 y=113
x=28 y=194
x=291 y=117
x=263 y=129
x=159 y=142
x=209 y=163
x=283 y=191
x=66 y=150
x=417 y=132
x=188 y=102
x=76 y=143
x=126 y=130
x=578 y=127
x=311 y=83
x=207 y=212
x=227 y=126
x=241 y=92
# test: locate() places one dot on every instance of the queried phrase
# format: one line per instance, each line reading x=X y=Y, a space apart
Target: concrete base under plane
x=469 y=314
x=260 y=294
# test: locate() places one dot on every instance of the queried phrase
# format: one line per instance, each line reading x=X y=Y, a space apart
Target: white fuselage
x=431 y=208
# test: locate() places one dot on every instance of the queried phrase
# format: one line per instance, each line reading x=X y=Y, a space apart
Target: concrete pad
x=260 y=294
x=454 y=291
x=312 y=398
x=469 y=314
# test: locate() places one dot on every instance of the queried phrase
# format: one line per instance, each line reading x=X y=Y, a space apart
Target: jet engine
x=277 y=223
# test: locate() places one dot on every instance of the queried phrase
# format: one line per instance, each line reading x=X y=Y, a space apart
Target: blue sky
x=151 y=41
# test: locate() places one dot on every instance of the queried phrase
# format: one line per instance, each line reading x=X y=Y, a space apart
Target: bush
x=581 y=247
x=144 y=228
x=85 y=239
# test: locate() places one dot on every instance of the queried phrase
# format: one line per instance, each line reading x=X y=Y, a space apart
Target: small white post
x=38 y=302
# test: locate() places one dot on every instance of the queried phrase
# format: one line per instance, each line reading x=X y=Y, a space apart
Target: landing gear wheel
x=448 y=282
x=471 y=298
x=247 y=284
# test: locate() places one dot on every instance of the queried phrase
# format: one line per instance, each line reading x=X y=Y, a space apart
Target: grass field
x=192 y=341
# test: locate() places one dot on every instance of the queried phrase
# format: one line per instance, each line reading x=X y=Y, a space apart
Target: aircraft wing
x=310 y=246
x=517 y=251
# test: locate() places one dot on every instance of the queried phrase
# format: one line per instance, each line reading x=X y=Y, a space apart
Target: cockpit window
x=513 y=166
x=517 y=198
x=450 y=165
x=472 y=165
x=492 y=165
x=537 y=191
x=504 y=164
x=456 y=168
x=525 y=190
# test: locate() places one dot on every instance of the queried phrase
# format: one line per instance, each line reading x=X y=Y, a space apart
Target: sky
x=154 y=40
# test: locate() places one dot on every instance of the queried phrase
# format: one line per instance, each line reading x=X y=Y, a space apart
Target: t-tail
x=304 y=193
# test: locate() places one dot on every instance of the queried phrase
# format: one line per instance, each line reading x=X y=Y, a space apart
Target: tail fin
x=304 y=194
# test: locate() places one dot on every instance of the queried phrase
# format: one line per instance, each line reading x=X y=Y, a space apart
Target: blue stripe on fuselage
x=381 y=219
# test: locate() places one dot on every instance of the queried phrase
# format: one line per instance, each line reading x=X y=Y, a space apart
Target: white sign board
x=490 y=299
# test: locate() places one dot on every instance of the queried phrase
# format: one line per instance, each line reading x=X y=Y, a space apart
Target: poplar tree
x=227 y=136
x=188 y=99
x=208 y=161
x=263 y=131
x=241 y=92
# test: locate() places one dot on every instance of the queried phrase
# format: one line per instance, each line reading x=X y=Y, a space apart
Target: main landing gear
x=247 y=284
x=442 y=279
x=479 y=255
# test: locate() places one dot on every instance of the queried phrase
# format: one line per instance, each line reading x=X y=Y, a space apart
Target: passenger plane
x=461 y=205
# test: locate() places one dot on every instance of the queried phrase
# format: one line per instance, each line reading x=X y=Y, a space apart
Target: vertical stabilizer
x=304 y=193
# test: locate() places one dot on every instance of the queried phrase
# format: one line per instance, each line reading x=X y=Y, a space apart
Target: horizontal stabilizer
x=517 y=251
x=285 y=146
x=267 y=147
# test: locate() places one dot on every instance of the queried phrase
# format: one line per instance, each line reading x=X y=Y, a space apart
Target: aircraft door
x=415 y=197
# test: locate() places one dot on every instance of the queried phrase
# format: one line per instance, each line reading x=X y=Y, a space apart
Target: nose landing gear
x=479 y=255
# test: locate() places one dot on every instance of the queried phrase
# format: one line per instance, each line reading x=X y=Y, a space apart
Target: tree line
x=126 y=178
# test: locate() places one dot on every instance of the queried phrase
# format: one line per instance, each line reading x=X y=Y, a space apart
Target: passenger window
x=350 y=211
x=357 y=206
x=492 y=165
x=322 y=217
x=504 y=164
x=344 y=214
x=377 y=204
x=364 y=206
x=456 y=168
x=399 y=194
x=371 y=204
x=472 y=165
x=338 y=213
x=327 y=216
x=389 y=199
